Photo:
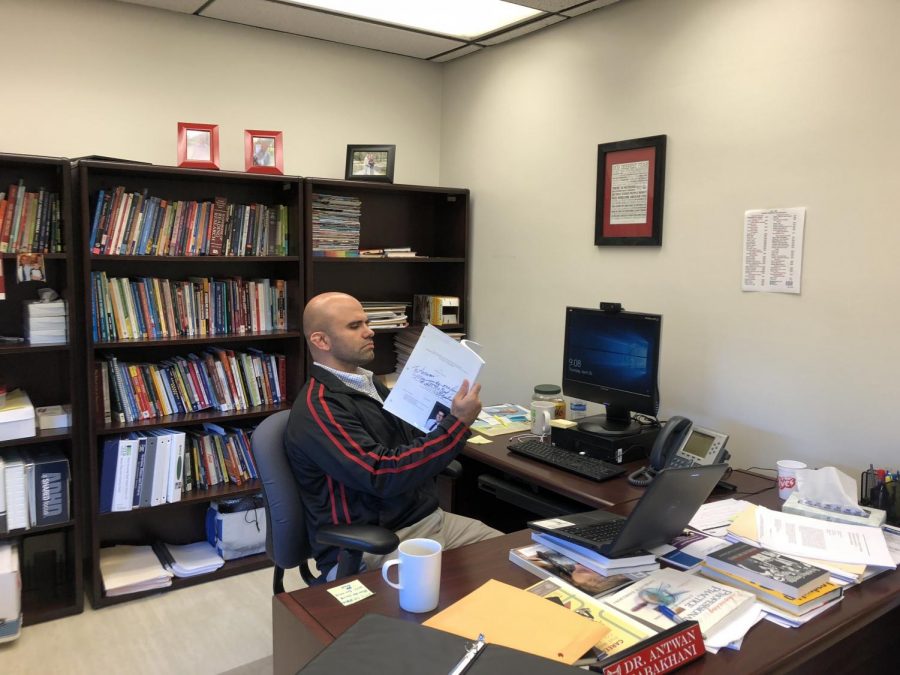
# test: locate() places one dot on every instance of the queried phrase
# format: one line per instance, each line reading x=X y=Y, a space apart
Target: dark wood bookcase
x=52 y=580
x=433 y=221
x=183 y=522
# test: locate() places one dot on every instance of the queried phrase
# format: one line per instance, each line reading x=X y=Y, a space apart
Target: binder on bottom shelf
x=379 y=644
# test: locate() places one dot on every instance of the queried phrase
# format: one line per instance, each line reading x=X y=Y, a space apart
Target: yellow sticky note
x=351 y=592
x=476 y=439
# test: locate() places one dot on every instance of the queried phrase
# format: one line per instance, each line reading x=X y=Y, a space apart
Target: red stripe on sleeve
x=334 y=518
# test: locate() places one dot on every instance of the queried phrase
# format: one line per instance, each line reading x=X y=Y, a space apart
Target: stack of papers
x=191 y=560
x=384 y=315
x=130 y=569
x=506 y=418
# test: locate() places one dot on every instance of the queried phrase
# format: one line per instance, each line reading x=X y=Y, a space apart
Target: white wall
x=766 y=103
x=95 y=77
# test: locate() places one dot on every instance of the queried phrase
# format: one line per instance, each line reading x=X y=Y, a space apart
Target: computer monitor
x=612 y=358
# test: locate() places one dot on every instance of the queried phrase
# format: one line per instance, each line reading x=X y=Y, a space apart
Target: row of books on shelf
x=335 y=225
x=35 y=488
x=152 y=307
x=29 y=221
x=136 y=223
x=146 y=469
x=218 y=379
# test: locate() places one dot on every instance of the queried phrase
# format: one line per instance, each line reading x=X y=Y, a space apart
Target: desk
x=857 y=634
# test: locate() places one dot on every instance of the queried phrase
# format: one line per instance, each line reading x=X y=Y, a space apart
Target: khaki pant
x=451 y=530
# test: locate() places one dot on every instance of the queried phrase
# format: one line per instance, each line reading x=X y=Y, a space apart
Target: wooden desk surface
x=602 y=495
x=308 y=620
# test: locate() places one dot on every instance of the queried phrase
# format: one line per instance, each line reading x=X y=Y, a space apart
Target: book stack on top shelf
x=335 y=225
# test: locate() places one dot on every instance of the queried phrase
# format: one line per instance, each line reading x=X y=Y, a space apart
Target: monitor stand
x=616 y=422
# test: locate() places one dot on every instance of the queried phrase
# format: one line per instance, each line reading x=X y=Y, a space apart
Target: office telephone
x=682 y=444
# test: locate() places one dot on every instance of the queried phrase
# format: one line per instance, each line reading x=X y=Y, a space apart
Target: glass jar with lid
x=551 y=392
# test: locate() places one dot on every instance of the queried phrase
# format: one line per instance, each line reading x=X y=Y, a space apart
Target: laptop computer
x=667 y=506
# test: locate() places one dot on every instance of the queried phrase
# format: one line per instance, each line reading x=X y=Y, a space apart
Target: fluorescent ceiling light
x=459 y=18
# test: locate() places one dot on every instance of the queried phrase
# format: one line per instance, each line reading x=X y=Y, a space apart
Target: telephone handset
x=682 y=444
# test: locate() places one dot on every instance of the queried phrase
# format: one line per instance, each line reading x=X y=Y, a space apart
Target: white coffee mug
x=787 y=476
x=419 y=574
x=541 y=414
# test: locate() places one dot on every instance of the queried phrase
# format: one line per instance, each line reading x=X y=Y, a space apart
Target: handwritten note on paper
x=351 y=592
x=431 y=377
x=773 y=250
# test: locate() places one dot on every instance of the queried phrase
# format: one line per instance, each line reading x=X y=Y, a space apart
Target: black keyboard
x=598 y=531
x=568 y=460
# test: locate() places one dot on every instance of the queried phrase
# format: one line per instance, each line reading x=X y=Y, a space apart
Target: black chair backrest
x=286 y=541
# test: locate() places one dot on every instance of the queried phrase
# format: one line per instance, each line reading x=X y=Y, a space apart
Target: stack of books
x=131 y=569
x=335 y=225
x=46 y=322
x=544 y=563
x=398 y=252
x=384 y=315
x=788 y=587
x=634 y=565
x=189 y=560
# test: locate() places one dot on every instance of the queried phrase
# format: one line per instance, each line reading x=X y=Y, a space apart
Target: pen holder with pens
x=880 y=495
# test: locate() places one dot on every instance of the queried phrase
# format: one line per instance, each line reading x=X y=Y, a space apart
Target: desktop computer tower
x=613 y=449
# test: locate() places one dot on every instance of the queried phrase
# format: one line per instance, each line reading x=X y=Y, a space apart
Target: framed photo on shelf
x=198 y=145
x=370 y=162
x=631 y=178
x=263 y=152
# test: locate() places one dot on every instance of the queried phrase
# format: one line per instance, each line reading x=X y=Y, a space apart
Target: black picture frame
x=619 y=221
x=381 y=167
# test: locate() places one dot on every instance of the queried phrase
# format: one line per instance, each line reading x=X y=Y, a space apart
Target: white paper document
x=714 y=517
x=431 y=377
x=814 y=538
x=773 y=250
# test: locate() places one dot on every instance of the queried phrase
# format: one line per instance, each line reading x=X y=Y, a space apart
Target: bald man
x=354 y=461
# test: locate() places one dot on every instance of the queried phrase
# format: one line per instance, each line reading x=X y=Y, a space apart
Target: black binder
x=378 y=644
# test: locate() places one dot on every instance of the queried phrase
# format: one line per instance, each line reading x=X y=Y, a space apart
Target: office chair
x=287 y=543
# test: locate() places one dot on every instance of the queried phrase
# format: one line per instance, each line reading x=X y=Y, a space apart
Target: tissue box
x=237 y=534
x=792 y=504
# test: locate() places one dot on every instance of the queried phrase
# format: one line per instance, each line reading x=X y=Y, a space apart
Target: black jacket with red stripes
x=356 y=463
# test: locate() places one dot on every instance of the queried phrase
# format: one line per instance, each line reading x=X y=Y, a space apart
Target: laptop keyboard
x=587 y=467
x=599 y=532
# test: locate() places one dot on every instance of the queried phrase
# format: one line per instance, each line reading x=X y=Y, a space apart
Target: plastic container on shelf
x=551 y=392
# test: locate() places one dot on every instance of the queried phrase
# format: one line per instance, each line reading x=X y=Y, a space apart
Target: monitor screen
x=612 y=358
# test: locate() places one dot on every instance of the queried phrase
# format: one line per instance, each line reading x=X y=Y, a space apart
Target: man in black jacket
x=354 y=461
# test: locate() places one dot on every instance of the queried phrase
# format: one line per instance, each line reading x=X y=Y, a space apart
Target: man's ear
x=320 y=341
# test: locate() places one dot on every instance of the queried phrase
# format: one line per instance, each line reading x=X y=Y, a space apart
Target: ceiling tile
x=310 y=23
x=588 y=7
x=524 y=30
x=456 y=53
x=186 y=6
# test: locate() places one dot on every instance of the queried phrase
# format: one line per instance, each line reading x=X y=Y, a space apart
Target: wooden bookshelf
x=433 y=221
x=183 y=521
x=51 y=374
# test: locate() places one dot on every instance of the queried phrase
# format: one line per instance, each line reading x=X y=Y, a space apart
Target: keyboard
x=599 y=532
x=568 y=460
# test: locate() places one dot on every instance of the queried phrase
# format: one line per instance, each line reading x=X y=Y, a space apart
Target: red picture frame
x=631 y=177
x=263 y=152
x=198 y=145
